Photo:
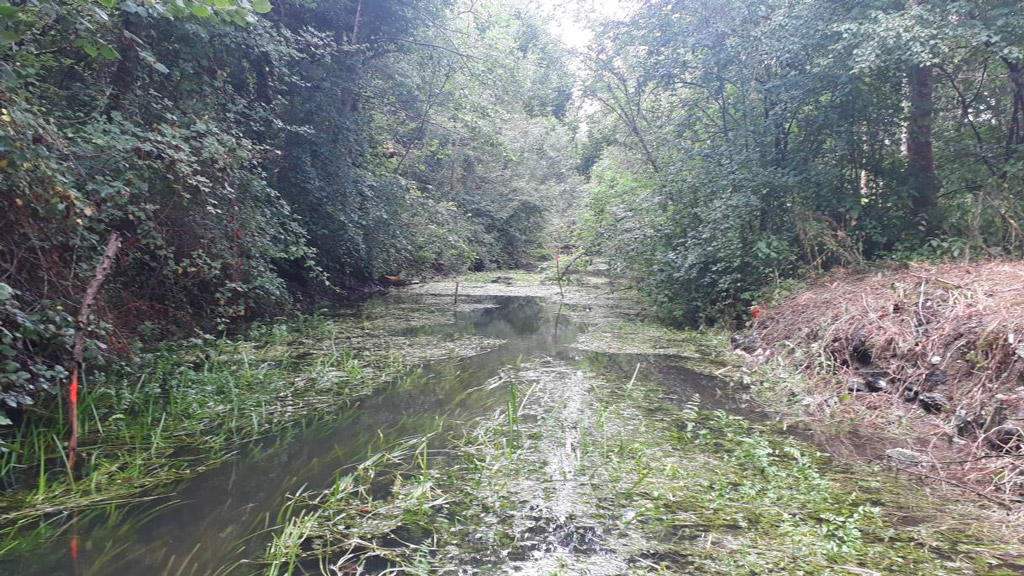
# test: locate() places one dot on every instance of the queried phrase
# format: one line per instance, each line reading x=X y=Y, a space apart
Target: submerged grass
x=639 y=337
x=173 y=413
x=580 y=475
x=578 y=470
x=186 y=406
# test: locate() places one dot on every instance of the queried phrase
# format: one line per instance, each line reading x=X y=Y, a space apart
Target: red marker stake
x=73 y=397
x=74 y=551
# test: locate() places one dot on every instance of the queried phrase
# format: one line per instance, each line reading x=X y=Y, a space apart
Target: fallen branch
x=594 y=242
x=81 y=327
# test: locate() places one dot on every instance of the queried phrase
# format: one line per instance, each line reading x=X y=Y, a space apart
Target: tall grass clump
x=162 y=414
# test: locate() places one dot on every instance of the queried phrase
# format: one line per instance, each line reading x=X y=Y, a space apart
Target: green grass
x=184 y=407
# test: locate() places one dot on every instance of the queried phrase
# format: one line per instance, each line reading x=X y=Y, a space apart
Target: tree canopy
x=741 y=142
x=255 y=156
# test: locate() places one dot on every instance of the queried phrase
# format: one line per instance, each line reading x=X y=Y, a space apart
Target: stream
x=222 y=520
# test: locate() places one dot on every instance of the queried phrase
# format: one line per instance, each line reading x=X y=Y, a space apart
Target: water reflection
x=214 y=521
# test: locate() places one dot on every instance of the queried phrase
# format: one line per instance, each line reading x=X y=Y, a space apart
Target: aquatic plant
x=610 y=475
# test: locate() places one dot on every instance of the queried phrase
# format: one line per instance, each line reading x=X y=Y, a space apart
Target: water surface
x=219 y=521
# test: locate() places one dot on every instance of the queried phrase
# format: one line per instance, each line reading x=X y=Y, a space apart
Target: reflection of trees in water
x=514 y=316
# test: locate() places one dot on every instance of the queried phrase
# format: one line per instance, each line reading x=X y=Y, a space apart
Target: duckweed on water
x=602 y=478
x=586 y=291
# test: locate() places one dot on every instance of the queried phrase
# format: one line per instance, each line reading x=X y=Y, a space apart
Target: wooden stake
x=558 y=274
x=456 y=293
x=81 y=326
x=73 y=416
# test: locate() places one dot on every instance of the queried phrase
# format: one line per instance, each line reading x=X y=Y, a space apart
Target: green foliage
x=769 y=139
x=204 y=394
x=253 y=155
x=31 y=346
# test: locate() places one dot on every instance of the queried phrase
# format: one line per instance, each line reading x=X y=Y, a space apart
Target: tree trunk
x=350 y=102
x=921 y=162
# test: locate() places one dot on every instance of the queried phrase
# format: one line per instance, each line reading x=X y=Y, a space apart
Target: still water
x=219 y=522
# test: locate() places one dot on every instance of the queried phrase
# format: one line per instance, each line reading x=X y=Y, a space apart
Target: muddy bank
x=921 y=366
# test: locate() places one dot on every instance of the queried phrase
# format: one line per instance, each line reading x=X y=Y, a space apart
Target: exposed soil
x=927 y=359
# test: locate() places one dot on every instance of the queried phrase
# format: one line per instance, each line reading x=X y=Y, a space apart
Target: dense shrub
x=742 y=142
x=254 y=154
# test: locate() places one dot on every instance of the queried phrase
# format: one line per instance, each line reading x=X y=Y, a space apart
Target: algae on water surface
x=589 y=469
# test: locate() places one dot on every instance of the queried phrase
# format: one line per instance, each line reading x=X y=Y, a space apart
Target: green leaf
x=6 y=292
x=160 y=68
x=261 y=6
x=222 y=3
x=8 y=37
x=89 y=47
x=8 y=10
x=109 y=53
x=237 y=16
x=199 y=10
x=4 y=420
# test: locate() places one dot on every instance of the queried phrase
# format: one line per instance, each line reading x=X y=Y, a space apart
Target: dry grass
x=955 y=330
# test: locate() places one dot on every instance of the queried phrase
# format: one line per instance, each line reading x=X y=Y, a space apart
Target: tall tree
x=920 y=156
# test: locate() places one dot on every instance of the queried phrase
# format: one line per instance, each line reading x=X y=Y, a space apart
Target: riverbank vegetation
x=173 y=411
x=771 y=164
x=189 y=404
x=252 y=157
x=741 y=143
x=231 y=161
x=190 y=190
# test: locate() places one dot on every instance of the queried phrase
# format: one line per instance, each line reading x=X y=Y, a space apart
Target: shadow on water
x=215 y=521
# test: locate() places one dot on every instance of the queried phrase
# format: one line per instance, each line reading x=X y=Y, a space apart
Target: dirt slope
x=936 y=350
